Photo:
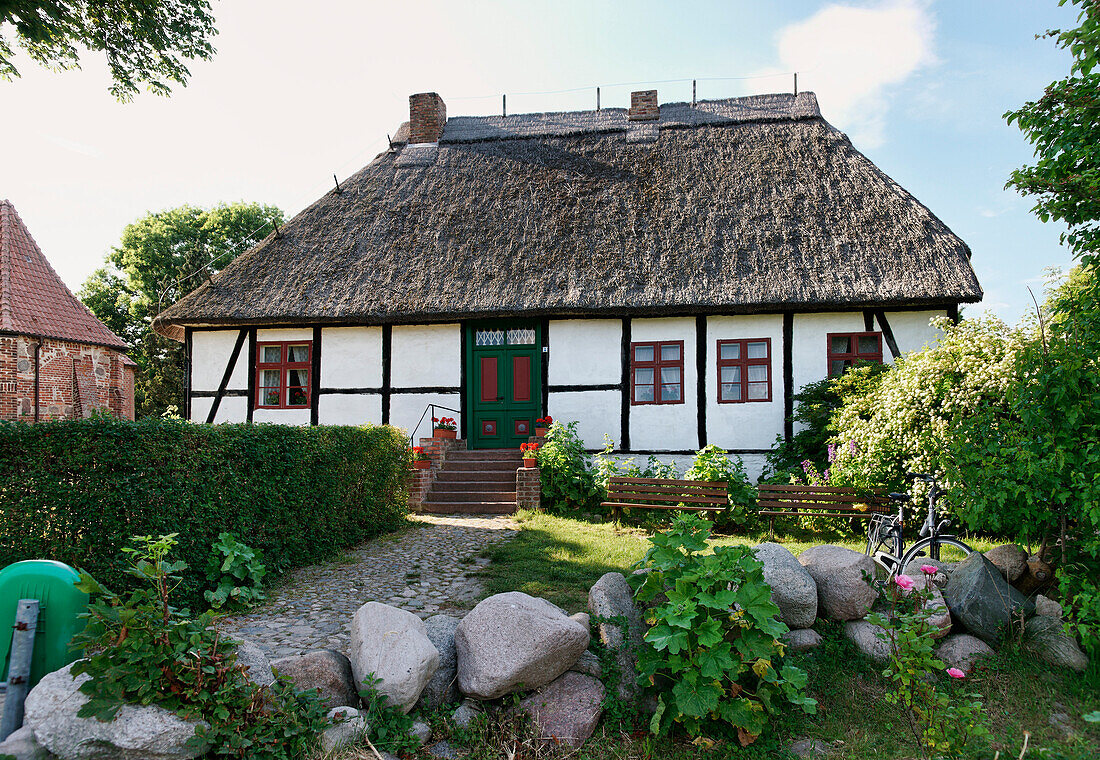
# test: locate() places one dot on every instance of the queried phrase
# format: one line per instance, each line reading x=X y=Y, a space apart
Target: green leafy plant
x=713 y=654
x=713 y=463
x=944 y=721
x=566 y=471
x=237 y=573
x=143 y=650
x=389 y=727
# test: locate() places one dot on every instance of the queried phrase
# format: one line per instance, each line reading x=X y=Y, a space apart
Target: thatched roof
x=742 y=205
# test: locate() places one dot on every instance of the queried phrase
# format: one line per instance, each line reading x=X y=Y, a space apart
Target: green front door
x=504 y=372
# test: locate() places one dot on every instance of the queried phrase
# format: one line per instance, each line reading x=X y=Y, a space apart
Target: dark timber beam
x=229 y=367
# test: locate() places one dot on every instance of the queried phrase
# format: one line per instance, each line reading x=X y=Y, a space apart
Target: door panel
x=521 y=378
x=505 y=392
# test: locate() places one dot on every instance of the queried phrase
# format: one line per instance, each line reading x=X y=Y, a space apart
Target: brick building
x=56 y=359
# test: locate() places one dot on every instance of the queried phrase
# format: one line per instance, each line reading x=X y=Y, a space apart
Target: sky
x=299 y=92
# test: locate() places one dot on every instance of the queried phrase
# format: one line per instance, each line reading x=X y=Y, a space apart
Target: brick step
x=485 y=454
x=475 y=476
x=461 y=486
x=468 y=507
x=486 y=496
x=459 y=465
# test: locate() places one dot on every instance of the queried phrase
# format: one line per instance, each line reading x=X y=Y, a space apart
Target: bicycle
x=886 y=534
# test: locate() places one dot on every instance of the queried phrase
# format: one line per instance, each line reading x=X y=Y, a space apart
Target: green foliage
x=144 y=42
x=389 y=727
x=942 y=719
x=713 y=651
x=713 y=463
x=161 y=257
x=236 y=572
x=143 y=650
x=75 y=491
x=567 y=471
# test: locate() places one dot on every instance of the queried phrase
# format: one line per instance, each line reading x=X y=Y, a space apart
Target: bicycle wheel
x=942 y=549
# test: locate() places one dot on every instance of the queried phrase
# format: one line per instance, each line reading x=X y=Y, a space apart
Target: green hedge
x=77 y=491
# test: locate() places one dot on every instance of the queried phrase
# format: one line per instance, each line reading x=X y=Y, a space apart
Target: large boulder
x=136 y=733
x=620 y=628
x=802 y=639
x=962 y=651
x=442 y=688
x=943 y=569
x=793 y=588
x=1047 y=638
x=940 y=618
x=1047 y=607
x=513 y=641
x=348 y=726
x=865 y=636
x=1010 y=559
x=567 y=709
x=22 y=745
x=327 y=671
x=981 y=600
x=255 y=663
x=392 y=644
x=843 y=592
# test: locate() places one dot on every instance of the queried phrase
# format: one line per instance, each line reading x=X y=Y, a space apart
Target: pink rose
x=904 y=582
x=929 y=569
x=955 y=673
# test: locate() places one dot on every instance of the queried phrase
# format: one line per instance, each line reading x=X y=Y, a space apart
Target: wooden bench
x=827 y=501
x=660 y=493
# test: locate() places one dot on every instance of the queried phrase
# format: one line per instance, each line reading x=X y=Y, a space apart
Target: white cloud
x=852 y=55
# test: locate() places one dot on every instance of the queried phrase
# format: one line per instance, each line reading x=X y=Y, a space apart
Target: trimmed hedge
x=76 y=491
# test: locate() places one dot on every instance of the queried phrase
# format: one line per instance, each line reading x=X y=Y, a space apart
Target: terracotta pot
x=422 y=464
x=540 y=432
x=530 y=462
x=445 y=434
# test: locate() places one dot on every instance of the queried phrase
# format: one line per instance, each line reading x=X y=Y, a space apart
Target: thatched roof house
x=746 y=206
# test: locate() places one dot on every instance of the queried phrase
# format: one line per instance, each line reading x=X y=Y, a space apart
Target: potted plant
x=529 y=458
x=444 y=427
x=542 y=424
x=420 y=459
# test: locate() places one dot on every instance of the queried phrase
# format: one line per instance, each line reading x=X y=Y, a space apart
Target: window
x=744 y=370
x=845 y=349
x=282 y=374
x=657 y=372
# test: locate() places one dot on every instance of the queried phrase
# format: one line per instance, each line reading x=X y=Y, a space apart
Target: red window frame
x=656 y=365
x=744 y=362
x=853 y=355
x=284 y=367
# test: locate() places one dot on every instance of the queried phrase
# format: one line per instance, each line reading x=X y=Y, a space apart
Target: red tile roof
x=33 y=299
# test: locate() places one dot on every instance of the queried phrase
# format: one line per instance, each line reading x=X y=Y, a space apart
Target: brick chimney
x=427 y=116
x=643 y=106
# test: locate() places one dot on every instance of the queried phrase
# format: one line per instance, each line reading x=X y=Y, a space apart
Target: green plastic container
x=51 y=583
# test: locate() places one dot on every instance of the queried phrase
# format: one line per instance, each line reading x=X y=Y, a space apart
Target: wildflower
x=904 y=582
x=832 y=452
x=929 y=569
x=955 y=673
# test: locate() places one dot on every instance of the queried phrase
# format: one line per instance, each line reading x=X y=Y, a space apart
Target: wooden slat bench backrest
x=789 y=500
x=661 y=493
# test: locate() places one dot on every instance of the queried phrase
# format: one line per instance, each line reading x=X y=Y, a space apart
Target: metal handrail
x=432 y=407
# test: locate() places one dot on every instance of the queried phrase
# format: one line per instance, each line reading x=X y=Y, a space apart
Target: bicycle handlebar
x=920 y=476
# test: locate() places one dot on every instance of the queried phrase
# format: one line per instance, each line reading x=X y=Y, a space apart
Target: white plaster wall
x=406 y=408
x=667 y=426
x=425 y=355
x=753 y=463
x=912 y=330
x=752 y=424
x=809 y=352
x=292 y=333
x=231 y=409
x=596 y=413
x=585 y=351
x=282 y=416
x=349 y=409
x=351 y=357
x=210 y=352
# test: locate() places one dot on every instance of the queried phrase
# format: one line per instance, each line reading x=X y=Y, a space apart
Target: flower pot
x=530 y=462
x=445 y=435
x=540 y=432
x=422 y=464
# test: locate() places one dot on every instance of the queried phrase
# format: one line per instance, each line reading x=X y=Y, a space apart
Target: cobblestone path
x=427 y=569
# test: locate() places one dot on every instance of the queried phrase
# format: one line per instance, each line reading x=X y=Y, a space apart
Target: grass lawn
x=559 y=559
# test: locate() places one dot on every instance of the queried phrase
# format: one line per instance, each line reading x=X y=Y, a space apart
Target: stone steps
x=475 y=482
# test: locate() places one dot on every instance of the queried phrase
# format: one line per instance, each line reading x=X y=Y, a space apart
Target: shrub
x=75 y=491
x=713 y=652
x=236 y=573
x=144 y=651
x=567 y=472
x=712 y=463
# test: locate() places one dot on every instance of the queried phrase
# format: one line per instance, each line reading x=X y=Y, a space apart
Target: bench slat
x=663 y=493
x=777 y=513
x=821 y=489
x=679 y=483
x=628 y=505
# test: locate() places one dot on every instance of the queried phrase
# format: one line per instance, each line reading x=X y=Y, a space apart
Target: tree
x=160 y=258
x=145 y=41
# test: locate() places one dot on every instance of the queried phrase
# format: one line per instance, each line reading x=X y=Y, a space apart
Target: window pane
x=758 y=373
x=297 y=353
x=731 y=391
x=670 y=392
x=270 y=397
x=521 y=336
x=670 y=374
x=298 y=377
x=643 y=353
x=758 y=390
x=643 y=393
x=840 y=344
x=729 y=351
x=272 y=355
x=297 y=397
x=731 y=374
x=869 y=344
x=837 y=366
x=758 y=350
x=643 y=376
x=670 y=352
x=489 y=338
x=270 y=378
